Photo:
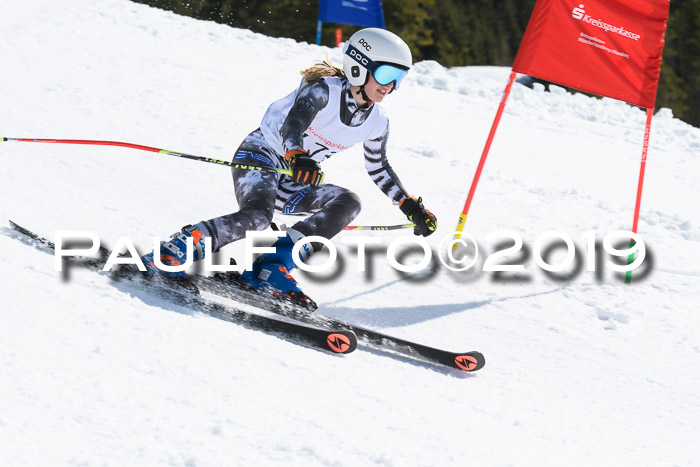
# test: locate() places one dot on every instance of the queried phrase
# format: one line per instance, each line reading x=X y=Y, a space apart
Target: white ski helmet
x=370 y=48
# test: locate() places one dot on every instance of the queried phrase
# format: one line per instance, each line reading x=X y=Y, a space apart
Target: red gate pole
x=480 y=167
x=637 y=206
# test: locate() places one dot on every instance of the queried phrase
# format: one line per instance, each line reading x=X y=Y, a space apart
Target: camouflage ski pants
x=329 y=208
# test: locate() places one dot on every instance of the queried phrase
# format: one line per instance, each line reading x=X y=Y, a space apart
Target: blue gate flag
x=366 y=13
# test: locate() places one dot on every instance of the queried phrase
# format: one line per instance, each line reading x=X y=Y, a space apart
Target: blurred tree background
x=459 y=33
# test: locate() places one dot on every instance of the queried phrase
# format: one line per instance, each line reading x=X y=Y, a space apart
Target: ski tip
x=470 y=361
x=341 y=341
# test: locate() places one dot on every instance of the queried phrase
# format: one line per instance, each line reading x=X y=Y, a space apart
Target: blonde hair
x=324 y=69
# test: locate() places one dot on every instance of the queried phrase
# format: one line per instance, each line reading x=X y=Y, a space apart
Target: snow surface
x=584 y=371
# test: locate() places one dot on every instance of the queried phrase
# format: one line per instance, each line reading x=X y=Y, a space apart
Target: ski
x=225 y=285
x=325 y=332
x=335 y=340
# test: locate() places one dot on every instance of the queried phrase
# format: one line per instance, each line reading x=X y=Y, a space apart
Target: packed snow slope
x=586 y=370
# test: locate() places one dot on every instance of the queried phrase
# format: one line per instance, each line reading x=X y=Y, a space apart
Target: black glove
x=304 y=169
x=425 y=221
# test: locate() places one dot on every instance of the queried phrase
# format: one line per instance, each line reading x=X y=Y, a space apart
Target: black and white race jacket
x=322 y=117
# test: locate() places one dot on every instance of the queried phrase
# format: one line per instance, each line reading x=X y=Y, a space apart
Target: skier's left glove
x=424 y=220
x=304 y=169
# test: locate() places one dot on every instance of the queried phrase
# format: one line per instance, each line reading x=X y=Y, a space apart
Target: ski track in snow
x=584 y=371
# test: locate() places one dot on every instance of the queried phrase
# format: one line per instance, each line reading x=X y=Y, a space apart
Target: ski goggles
x=384 y=74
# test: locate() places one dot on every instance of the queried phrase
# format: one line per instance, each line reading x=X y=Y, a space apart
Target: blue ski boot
x=174 y=253
x=270 y=271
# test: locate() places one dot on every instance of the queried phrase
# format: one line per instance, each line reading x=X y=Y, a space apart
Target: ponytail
x=324 y=69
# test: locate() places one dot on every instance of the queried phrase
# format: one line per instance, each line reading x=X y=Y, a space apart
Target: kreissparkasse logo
x=579 y=13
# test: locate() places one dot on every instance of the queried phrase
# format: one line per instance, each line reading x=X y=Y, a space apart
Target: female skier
x=332 y=110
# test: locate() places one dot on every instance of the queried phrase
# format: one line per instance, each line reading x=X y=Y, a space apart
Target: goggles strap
x=361 y=58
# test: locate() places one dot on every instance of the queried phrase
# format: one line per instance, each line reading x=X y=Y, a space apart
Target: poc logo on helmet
x=359 y=57
x=577 y=13
x=365 y=44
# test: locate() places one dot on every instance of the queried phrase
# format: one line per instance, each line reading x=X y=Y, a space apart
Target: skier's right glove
x=424 y=220
x=304 y=169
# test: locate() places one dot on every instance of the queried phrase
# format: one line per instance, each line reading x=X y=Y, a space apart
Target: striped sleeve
x=379 y=170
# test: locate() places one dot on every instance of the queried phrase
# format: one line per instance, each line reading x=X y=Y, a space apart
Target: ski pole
x=195 y=158
x=364 y=227
x=151 y=149
x=379 y=227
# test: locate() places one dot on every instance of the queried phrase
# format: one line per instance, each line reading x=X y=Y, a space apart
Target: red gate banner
x=607 y=47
